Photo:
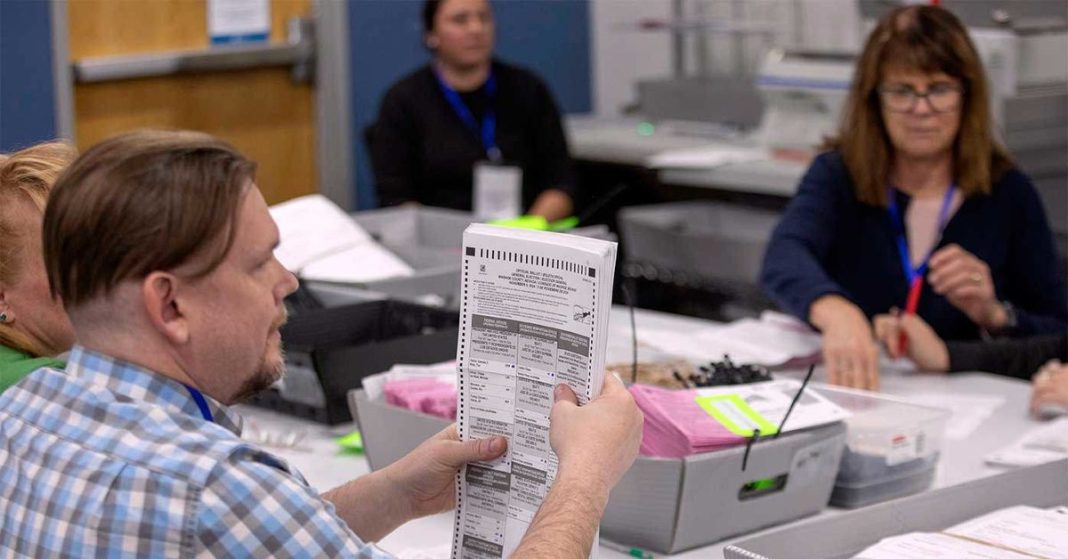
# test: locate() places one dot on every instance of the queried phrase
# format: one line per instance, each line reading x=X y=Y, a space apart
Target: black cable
x=797 y=397
x=748 y=446
x=592 y=209
x=633 y=332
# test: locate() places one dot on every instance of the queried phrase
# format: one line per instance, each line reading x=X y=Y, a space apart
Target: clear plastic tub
x=892 y=447
x=711 y=241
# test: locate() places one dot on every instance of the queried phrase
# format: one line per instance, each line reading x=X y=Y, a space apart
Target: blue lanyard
x=912 y=274
x=488 y=130
x=201 y=403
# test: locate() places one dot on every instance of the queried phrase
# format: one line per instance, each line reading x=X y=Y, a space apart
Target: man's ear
x=159 y=293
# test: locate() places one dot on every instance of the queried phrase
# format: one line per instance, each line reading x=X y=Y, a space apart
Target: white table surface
x=319 y=459
x=616 y=140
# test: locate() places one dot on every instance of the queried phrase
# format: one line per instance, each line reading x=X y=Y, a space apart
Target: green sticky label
x=565 y=224
x=735 y=414
x=353 y=442
x=535 y=222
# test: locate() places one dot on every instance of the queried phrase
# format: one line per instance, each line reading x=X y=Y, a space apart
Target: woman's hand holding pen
x=923 y=346
x=850 y=354
x=966 y=282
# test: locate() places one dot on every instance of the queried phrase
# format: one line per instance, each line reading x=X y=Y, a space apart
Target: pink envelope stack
x=426 y=395
x=676 y=426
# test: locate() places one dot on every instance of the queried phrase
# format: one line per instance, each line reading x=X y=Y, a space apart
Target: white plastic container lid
x=889 y=427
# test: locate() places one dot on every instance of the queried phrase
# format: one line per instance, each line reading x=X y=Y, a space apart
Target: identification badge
x=498 y=191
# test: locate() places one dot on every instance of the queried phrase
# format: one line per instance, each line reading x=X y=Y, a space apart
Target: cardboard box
x=667 y=505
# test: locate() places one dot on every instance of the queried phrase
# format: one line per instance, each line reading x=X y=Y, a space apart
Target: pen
x=910 y=308
x=630 y=551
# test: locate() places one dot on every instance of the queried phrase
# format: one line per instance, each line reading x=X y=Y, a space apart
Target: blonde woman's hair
x=27 y=174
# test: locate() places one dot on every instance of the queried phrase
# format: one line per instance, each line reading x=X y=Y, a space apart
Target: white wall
x=623 y=54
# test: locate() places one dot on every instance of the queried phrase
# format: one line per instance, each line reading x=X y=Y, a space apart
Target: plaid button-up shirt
x=107 y=459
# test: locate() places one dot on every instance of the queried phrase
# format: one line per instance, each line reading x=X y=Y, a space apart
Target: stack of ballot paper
x=319 y=241
x=1046 y=443
x=775 y=339
x=1014 y=533
x=534 y=313
x=680 y=423
x=707 y=157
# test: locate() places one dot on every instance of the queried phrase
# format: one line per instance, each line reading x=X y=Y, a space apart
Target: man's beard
x=266 y=373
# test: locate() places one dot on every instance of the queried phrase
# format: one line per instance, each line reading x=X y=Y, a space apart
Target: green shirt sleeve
x=15 y=364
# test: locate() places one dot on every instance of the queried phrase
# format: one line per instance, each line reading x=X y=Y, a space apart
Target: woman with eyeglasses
x=915 y=208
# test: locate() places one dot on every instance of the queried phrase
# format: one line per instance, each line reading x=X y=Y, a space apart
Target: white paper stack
x=534 y=313
x=319 y=241
x=707 y=157
x=1019 y=532
x=775 y=339
x=1046 y=443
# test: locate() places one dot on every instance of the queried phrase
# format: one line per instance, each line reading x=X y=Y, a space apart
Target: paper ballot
x=1036 y=532
x=922 y=545
x=1047 y=443
x=534 y=313
x=1013 y=533
x=319 y=241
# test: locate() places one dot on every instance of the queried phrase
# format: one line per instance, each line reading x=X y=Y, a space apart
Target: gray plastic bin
x=841 y=536
x=704 y=241
x=666 y=504
x=427 y=239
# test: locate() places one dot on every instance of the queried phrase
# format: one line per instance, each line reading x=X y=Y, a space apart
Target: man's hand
x=923 y=346
x=421 y=483
x=600 y=440
x=426 y=477
x=596 y=445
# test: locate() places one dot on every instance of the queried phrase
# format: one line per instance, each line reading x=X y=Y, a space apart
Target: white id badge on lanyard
x=498 y=191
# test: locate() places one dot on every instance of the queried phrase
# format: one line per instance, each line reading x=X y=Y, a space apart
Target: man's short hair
x=141 y=202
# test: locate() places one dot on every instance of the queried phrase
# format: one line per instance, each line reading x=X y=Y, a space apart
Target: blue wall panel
x=27 y=94
x=550 y=37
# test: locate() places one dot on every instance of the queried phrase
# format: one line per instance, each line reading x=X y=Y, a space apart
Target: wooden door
x=260 y=111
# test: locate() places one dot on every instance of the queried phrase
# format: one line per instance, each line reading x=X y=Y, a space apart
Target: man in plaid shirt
x=162 y=250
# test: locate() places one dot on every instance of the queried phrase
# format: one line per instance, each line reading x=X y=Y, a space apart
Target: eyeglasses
x=940 y=97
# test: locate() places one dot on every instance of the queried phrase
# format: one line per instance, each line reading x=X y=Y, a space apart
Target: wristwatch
x=1011 y=321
